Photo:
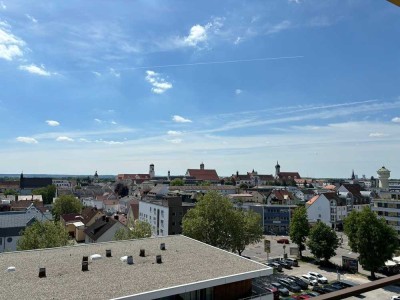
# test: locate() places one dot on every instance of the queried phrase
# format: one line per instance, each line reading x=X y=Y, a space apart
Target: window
x=9 y=240
x=150 y=209
x=173 y=223
x=173 y=213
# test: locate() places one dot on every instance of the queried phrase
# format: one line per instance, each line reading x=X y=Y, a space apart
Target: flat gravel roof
x=185 y=261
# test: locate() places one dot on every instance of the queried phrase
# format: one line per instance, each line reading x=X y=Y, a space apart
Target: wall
x=235 y=290
x=6 y=246
x=320 y=210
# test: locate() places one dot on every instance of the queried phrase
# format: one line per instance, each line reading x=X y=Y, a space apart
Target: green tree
x=10 y=192
x=205 y=183
x=140 y=230
x=371 y=237
x=121 y=190
x=48 y=193
x=322 y=241
x=66 y=204
x=247 y=230
x=215 y=221
x=43 y=235
x=176 y=182
x=299 y=228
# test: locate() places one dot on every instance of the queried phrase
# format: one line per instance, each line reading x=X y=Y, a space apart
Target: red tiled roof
x=110 y=202
x=200 y=174
x=313 y=199
x=280 y=195
x=266 y=177
x=293 y=175
x=25 y=204
x=133 y=176
x=71 y=217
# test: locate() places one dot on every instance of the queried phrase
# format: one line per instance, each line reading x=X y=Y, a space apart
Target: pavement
x=257 y=253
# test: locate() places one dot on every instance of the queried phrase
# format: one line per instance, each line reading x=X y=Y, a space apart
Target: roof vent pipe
x=162 y=246
x=85 y=258
x=142 y=253
x=108 y=253
x=42 y=272
x=158 y=259
x=129 y=260
x=85 y=266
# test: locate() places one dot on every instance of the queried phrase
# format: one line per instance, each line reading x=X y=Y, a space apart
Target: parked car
x=313 y=294
x=290 y=285
x=319 y=289
x=283 y=241
x=284 y=264
x=274 y=291
x=338 y=285
x=301 y=283
x=329 y=288
x=396 y=297
x=309 y=279
x=282 y=290
x=302 y=297
x=276 y=266
x=293 y=261
x=319 y=277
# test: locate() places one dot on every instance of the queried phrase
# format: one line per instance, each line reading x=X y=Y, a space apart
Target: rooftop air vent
x=108 y=253
x=142 y=253
x=123 y=258
x=158 y=259
x=85 y=266
x=42 y=272
x=11 y=269
x=85 y=258
x=129 y=260
x=95 y=257
x=162 y=246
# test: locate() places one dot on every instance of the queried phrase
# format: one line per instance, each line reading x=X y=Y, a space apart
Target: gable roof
x=71 y=217
x=98 y=228
x=12 y=222
x=88 y=213
x=266 y=177
x=293 y=175
x=203 y=174
x=312 y=200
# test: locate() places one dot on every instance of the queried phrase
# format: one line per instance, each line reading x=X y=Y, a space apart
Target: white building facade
x=156 y=215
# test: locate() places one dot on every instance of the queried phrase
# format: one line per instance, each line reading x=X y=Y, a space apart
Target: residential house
x=9 y=185
x=186 y=269
x=133 y=212
x=387 y=206
x=90 y=215
x=222 y=189
x=13 y=222
x=328 y=208
x=102 y=230
x=281 y=197
x=71 y=222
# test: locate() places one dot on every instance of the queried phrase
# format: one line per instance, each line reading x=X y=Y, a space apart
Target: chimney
x=42 y=272
x=116 y=217
x=129 y=260
x=162 y=246
x=85 y=266
x=158 y=259
x=108 y=253
x=237 y=173
x=142 y=253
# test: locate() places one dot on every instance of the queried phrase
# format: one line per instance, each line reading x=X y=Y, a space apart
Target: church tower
x=277 y=169
x=151 y=171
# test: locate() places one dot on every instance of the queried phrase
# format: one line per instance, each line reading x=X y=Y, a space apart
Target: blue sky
x=113 y=86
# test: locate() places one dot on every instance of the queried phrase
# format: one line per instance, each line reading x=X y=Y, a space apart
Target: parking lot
x=256 y=252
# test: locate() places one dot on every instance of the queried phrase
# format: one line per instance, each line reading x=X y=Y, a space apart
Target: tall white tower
x=384 y=175
x=151 y=171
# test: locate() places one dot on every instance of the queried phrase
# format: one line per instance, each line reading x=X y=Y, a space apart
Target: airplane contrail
x=212 y=63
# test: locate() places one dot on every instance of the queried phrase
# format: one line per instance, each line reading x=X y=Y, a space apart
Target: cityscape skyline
x=116 y=86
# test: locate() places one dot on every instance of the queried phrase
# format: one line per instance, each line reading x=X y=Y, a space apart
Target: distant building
x=384 y=175
x=103 y=230
x=62 y=184
x=285 y=176
x=203 y=174
x=28 y=184
x=387 y=206
x=165 y=215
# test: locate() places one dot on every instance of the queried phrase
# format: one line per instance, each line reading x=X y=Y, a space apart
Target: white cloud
x=377 y=134
x=2 y=5
x=113 y=122
x=175 y=141
x=238 y=91
x=35 y=70
x=295 y=1
x=10 y=45
x=159 y=84
x=396 y=120
x=114 y=73
x=52 y=123
x=196 y=35
x=84 y=140
x=64 y=139
x=31 y=18
x=96 y=73
x=180 y=119
x=27 y=140
x=98 y=121
x=174 y=133
x=238 y=40
x=279 y=27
